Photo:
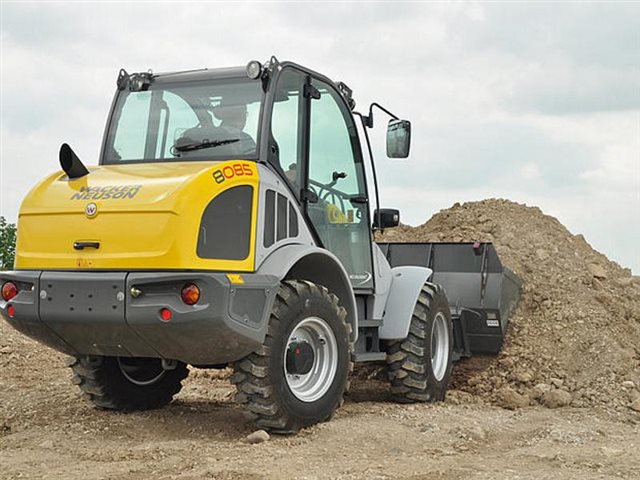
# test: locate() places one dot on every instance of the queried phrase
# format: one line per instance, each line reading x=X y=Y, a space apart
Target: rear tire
x=127 y=384
x=420 y=365
x=299 y=375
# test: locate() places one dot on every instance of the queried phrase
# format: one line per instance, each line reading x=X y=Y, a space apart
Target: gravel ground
x=561 y=401
x=49 y=431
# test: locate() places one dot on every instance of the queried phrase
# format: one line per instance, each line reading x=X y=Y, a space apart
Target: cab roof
x=200 y=74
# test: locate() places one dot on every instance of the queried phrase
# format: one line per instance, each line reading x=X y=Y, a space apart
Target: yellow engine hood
x=147 y=216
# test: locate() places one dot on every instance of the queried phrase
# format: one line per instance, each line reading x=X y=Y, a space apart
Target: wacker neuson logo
x=91 y=210
x=106 y=192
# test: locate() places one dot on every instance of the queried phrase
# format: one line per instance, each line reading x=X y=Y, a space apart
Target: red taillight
x=165 y=314
x=190 y=294
x=11 y=311
x=9 y=290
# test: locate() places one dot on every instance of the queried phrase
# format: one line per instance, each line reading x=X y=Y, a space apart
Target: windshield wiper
x=190 y=147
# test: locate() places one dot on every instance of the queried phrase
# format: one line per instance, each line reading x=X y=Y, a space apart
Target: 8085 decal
x=230 y=171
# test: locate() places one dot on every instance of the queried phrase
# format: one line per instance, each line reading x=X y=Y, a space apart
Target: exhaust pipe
x=71 y=164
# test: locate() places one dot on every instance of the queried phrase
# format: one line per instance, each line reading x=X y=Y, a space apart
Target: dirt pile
x=575 y=337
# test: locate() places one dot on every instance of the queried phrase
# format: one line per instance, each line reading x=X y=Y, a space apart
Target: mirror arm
x=368 y=121
x=364 y=121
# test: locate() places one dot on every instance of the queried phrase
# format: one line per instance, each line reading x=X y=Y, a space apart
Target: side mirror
x=386 y=218
x=398 y=138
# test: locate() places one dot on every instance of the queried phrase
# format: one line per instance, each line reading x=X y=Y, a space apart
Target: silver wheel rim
x=439 y=346
x=314 y=384
x=141 y=372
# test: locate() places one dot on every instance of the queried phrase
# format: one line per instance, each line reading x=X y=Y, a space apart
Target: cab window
x=286 y=125
x=204 y=120
x=336 y=176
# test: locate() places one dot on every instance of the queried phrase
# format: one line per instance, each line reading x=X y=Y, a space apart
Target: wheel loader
x=229 y=223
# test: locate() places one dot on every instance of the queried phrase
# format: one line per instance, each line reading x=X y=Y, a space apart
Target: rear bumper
x=94 y=313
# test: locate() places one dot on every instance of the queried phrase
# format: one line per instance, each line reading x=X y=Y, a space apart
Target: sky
x=535 y=102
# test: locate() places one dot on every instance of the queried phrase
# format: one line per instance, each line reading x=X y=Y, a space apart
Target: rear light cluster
x=190 y=294
x=9 y=290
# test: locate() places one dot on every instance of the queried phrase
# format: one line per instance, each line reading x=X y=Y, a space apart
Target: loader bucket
x=482 y=292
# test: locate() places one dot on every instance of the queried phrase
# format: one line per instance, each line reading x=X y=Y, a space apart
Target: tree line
x=7 y=244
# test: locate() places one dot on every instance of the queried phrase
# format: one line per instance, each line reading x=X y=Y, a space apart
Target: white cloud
x=523 y=101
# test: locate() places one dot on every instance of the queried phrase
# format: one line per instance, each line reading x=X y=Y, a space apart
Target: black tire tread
x=406 y=360
x=90 y=375
x=251 y=377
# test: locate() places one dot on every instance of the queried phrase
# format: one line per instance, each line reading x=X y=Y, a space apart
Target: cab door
x=336 y=196
x=312 y=142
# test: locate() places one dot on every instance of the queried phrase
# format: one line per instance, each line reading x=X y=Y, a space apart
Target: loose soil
x=560 y=401
x=576 y=333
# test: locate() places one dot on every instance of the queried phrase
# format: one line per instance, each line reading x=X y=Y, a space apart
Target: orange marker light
x=9 y=290
x=190 y=294
x=165 y=314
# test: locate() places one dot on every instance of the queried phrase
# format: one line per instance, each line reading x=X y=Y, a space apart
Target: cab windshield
x=204 y=120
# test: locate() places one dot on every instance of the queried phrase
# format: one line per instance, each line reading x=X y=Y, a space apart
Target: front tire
x=420 y=365
x=127 y=384
x=299 y=375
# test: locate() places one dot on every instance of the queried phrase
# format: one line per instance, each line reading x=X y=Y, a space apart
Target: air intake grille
x=280 y=218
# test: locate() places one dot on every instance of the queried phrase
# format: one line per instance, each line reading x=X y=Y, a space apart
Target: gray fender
x=406 y=283
x=307 y=262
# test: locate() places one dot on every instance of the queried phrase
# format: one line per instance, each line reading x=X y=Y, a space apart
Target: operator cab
x=298 y=121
